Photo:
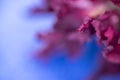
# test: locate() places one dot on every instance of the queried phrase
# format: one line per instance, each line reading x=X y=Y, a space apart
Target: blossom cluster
x=106 y=28
x=95 y=17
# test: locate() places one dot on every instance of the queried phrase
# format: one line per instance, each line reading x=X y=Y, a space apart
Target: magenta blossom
x=106 y=28
x=70 y=15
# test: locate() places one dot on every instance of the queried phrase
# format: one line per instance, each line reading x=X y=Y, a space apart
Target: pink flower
x=106 y=32
x=70 y=15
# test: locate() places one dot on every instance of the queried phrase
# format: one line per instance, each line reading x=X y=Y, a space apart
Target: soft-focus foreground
x=60 y=40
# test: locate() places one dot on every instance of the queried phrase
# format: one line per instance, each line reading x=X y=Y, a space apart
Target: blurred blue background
x=18 y=42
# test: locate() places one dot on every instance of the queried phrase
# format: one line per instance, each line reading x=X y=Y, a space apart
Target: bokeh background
x=18 y=43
